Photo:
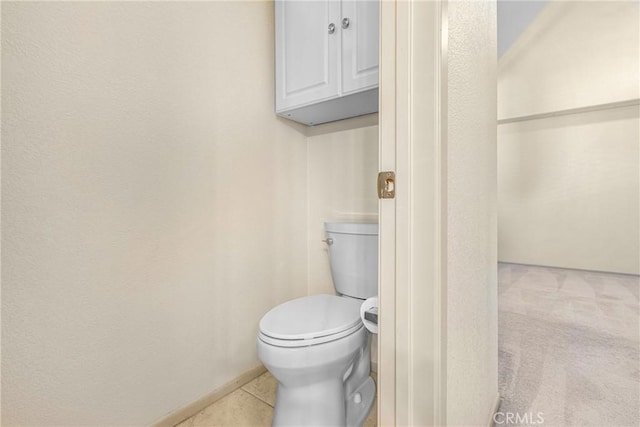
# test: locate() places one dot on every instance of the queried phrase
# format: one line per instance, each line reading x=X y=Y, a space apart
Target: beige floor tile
x=264 y=387
x=186 y=423
x=372 y=419
x=247 y=407
x=237 y=409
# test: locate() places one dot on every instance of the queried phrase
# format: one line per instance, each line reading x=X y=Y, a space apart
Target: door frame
x=412 y=294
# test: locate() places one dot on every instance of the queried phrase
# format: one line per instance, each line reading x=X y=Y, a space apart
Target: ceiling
x=513 y=17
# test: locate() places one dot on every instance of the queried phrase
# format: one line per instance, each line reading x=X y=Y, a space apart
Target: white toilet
x=317 y=346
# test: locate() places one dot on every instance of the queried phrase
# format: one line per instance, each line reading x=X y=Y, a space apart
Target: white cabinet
x=326 y=59
x=359 y=45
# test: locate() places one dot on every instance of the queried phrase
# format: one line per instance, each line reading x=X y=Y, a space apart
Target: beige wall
x=573 y=54
x=569 y=186
x=149 y=196
x=569 y=191
x=472 y=347
x=342 y=172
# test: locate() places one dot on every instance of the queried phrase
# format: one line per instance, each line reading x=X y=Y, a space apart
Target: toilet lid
x=311 y=317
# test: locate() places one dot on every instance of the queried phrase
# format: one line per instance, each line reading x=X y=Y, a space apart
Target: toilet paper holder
x=371 y=315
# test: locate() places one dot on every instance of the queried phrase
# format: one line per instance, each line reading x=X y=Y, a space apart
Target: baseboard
x=496 y=406
x=559 y=267
x=191 y=409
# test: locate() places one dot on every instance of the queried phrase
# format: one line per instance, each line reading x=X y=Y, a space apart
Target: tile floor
x=250 y=405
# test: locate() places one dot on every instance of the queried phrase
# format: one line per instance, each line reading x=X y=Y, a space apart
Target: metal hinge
x=386 y=185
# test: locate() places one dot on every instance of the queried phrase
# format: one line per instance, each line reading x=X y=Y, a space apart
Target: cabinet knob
x=332 y=28
x=345 y=23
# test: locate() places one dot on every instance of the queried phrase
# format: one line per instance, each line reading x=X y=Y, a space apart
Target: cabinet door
x=307 y=52
x=360 y=33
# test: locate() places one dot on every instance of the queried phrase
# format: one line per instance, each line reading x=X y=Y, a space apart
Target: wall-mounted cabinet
x=326 y=59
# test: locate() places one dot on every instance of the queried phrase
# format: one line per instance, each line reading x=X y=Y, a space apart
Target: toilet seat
x=311 y=320
x=308 y=342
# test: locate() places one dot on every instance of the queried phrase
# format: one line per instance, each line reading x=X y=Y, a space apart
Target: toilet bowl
x=322 y=371
x=317 y=347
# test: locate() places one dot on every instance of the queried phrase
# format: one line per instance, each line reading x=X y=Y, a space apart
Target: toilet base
x=357 y=412
x=314 y=402
x=327 y=384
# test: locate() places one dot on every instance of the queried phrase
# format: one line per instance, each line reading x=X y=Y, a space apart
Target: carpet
x=569 y=347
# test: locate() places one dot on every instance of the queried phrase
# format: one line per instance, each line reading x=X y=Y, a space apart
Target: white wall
x=153 y=207
x=569 y=186
x=472 y=347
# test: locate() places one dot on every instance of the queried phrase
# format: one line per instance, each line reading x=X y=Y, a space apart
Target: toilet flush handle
x=328 y=241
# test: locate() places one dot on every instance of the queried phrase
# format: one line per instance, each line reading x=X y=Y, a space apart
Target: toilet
x=317 y=346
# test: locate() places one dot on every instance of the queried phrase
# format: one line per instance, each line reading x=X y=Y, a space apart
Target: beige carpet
x=569 y=347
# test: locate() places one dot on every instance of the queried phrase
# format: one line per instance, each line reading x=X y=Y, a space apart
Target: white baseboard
x=496 y=406
x=191 y=409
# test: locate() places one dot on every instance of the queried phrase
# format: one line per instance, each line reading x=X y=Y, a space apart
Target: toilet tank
x=353 y=257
